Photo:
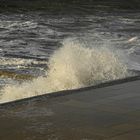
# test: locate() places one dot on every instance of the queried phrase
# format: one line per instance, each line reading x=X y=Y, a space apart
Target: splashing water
x=72 y=66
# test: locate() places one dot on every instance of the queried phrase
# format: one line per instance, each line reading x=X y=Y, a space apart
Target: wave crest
x=71 y=66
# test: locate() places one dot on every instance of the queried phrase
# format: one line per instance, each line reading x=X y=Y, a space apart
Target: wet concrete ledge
x=67 y=92
x=108 y=111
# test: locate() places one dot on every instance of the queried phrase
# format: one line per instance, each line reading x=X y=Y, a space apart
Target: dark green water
x=65 y=4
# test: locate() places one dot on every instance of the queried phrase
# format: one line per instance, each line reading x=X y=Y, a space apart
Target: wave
x=72 y=66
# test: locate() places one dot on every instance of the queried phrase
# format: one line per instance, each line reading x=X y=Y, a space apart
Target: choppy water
x=92 y=47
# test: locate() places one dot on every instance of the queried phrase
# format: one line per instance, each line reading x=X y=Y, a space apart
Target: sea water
x=66 y=51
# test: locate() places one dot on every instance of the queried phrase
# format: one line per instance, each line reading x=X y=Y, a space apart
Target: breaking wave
x=74 y=65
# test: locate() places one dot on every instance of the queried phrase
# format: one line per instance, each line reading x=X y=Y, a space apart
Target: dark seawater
x=29 y=36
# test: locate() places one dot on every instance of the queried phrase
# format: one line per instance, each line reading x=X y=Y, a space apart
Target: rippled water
x=28 y=39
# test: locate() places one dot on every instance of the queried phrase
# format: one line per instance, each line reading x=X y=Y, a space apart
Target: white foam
x=132 y=39
x=19 y=62
x=17 y=24
x=72 y=66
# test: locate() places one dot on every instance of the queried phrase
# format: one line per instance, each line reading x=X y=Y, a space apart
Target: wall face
x=96 y=113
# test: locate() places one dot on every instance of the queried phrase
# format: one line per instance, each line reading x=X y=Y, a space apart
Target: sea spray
x=71 y=66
